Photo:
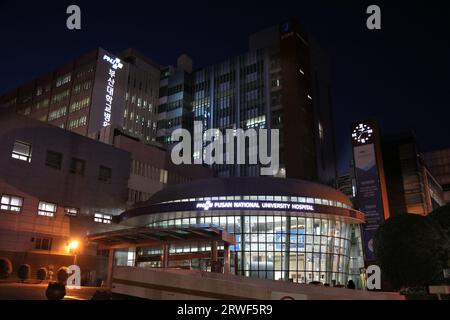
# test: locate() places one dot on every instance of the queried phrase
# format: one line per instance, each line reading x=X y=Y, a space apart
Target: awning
x=147 y=237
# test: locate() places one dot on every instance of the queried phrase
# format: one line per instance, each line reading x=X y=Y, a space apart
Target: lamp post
x=73 y=246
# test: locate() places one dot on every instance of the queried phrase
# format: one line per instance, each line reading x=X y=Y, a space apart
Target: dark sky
x=399 y=75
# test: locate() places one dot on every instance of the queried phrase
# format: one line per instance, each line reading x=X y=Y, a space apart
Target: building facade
x=347 y=185
x=282 y=82
x=285 y=229
x=94 y=91
x=411 y=186
x=56 y=187
x=175 y=99
x=438 y=162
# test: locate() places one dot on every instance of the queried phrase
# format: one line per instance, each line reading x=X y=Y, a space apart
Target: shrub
x=24 y=272
x=62 y=275
x=410 y=251
x=41 y=274
x=55 y=291
x=5 y=268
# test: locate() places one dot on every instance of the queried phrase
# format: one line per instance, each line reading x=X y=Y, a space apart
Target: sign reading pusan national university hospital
x=237 y=205
x=109 y=92
x=254 y=205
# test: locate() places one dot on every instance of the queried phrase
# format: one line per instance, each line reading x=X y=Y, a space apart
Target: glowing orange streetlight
x=73 y=246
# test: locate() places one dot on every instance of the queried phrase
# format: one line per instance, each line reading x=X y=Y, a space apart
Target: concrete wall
x=172 y=284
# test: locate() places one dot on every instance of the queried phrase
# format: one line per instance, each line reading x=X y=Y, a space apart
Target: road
x=19 y=291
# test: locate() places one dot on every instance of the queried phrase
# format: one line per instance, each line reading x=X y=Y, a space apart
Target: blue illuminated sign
x=297 y=239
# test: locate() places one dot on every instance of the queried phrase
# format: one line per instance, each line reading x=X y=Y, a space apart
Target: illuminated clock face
x=362 y=133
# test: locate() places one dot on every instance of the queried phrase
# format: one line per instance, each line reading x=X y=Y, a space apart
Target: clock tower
x=371 y=192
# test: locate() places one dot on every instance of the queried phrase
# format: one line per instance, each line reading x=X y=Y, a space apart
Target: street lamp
x=73 y=246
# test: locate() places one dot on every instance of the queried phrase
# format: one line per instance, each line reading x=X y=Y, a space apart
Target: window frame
x=9 y=206
x=100 y=218
x=72 y=168
x=43 y=213
x=21 y=157
x=40 y=241
x=66 y=211
x=48 y=164
x=100 y=177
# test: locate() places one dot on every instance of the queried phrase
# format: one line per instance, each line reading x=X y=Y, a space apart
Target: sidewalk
x=32 y=291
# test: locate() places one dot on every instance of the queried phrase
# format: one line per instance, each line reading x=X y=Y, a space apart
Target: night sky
x=399 y=75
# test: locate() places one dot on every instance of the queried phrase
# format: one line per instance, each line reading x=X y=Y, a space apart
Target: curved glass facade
x=289 y=246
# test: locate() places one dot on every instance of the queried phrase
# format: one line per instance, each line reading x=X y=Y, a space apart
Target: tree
x=5 y=268
x=62 y=275
x=24 y=272
x=442 y=217
x=41 y=274
x=410 y=252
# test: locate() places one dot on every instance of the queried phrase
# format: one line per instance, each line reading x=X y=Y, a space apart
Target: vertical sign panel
x=369 y=194
x=108 y=93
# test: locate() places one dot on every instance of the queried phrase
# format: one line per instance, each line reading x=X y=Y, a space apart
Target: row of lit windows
x=141 y=103
x=78 y=105
x=135 y=196
x=149 y=171
x=263 y=228
x=60 y=96
x=293 y=246
x=41 y=104
x=58 y=113
x=14 y=204
x=78 y=122
x=308 y=200
x=63 y=80
x=82 y=86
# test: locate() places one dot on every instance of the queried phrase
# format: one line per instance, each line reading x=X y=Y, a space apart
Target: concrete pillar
x=226 y=258
x=214 y=256
x=136 y=251
x=110 y=268
x=166 y=256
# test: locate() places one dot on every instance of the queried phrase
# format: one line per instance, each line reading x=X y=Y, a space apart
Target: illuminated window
x=63 y=80
x=58 y=113
x=11 y=203
x=47 y=209
x=320 y=131
x=21 y=151
x=163 y=176
x=73 y=124
x=73 y=212
x=78 y=105
x=103 y=218
x=58 y=97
